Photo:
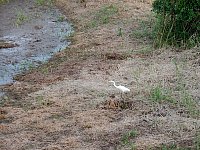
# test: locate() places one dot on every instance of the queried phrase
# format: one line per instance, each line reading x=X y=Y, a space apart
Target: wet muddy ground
x=29 y=35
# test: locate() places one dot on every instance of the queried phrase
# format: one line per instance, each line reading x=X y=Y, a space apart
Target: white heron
x=121 y=88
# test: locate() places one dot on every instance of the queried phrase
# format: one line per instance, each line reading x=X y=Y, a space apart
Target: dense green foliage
x=178 y=22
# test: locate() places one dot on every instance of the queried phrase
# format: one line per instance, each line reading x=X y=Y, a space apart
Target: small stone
x=38 y=27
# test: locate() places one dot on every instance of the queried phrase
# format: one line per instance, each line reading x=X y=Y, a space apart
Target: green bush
x=178 y=22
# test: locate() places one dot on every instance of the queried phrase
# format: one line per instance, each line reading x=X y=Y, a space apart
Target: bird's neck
x=114 y=84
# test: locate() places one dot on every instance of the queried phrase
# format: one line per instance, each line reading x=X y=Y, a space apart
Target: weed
x=3 y=98
x=197 y=141
x=145 y=50
x=4 y=1
x=21 y=18
x=61 y=18
x=103 y=16
x=40 y=2
x=156 y=94
x=101 y=94
x=159 y=94
x=41 y=101
x=45 y=70
x=26 y=65
x=44 y=2
x=196 y=145
x=171 y=147
x=70 y=36
x=188 y=102
x=119 y=32
x=181 y=97
x=176 y=147
x=144 y=30
x=133 y=146
x=130 y=135
x=185 y=98
x=39 y=98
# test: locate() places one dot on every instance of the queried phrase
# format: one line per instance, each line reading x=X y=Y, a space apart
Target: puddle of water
x=38 y=38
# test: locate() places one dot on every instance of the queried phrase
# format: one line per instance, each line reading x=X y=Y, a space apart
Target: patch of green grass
x=144 y=30
x=173 y=147
x=45 y=70
x=3 y=100
x=177 y=95
x=189 y=103
x=101 y=94
x=145 y=50
x=41 y=101
x=196 y=144
x=39 y=98
x=159 y=94
x=20 y=18
x=3 y=1
x=185 y=97
x=197 y=141
x=176 y=147
x=127 y=137
x=103 y=16
x=26 y=65
x=44 y=2
x=61 y=18
x=70 y=37
x=40 y=2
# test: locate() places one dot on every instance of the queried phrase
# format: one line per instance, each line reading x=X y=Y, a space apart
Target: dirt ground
x=69 y=104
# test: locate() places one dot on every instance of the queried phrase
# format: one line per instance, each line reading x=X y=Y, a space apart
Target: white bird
x=120 y=87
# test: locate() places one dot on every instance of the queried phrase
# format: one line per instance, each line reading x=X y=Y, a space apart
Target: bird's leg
x=121 y=95
x=125 y=96
x=123 y=102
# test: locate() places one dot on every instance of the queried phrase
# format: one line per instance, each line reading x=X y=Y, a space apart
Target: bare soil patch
x=68 y=103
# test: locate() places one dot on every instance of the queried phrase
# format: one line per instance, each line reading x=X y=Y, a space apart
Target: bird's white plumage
x=120 y=87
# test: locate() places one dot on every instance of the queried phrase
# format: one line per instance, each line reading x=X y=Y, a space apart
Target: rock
x=38 y=27
x=7 y=44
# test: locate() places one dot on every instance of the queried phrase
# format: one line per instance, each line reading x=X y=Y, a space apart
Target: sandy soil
x=68 y=103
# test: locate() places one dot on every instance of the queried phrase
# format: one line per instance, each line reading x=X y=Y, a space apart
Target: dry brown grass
x=76 y=109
